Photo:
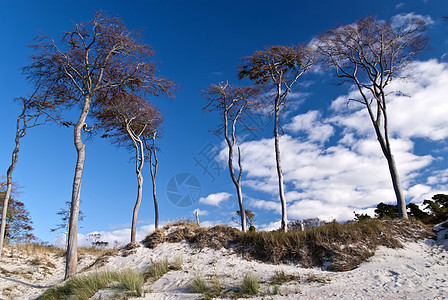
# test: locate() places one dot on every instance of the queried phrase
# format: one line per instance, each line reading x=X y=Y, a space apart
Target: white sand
x=417 y=271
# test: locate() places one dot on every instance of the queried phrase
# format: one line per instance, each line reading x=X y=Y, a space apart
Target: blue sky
x=332 y=162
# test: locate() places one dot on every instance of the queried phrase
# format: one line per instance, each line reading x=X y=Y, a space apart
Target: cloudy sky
x=331 y=160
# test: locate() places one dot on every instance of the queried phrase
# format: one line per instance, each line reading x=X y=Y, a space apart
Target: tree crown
x=371 y=49
x=275 y=64
x=94 y=56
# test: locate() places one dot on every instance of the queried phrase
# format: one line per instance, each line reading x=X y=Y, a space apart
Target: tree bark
x=15 y=156
x=284 y=222
x=236 y=182
x=387 y=152
x=153 y=169
x=72 y=246
x=139 y=166
x=6 y=201
x=137 y=206
x=385 y=147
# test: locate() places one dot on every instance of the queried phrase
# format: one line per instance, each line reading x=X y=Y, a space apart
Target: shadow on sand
x=26 y=283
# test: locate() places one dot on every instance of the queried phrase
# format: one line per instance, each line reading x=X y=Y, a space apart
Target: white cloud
x=311 y=124
x=352 y=174
x=215 y=199
x=421 y=115
x=201 y=212
x=114 y=238
x=270 y=227
x=403 y=19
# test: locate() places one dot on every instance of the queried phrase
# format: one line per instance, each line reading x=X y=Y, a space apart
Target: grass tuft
x=314 y=278
x=250 y=285
x=157 y=269
x=198 y=285
x=280 y=278
x=85 y=286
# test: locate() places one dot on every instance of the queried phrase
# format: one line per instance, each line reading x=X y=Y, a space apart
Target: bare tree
x=93 y=57
x=153 y=167
x=127 y=119
x=233 y=102
x=35 y=111
x=369 y=54
x=64 y=215
x=279 y=67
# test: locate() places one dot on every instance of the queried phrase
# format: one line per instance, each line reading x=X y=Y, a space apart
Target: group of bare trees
x=107 y=71
x=102 y=67
x=369 y=54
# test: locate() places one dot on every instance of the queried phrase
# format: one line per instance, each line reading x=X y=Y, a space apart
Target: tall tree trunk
x=153 y=168
x=15 y=156
x=137 y=206
x=5 y=203
x=140 y=160
x=236 y=182
x=284 y=223
x=401 y=201
x=387 y=152
x=154 y=194
x=5 y=209
x=72 y=246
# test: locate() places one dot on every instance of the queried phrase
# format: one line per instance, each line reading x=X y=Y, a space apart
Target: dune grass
x=338 y=247
x=85 y=286
x=157 y=269
x=250 y=285
x=198 y=285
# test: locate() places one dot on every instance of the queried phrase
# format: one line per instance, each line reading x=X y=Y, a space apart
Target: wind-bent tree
x=18 y=222
x=369 y=54
x=93 y=57
x=127 y=118
x=279 y=67
x=35 y=111
x=153 y=167
x=233 y=103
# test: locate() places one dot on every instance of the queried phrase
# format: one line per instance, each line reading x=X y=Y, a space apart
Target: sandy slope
x=417 y=271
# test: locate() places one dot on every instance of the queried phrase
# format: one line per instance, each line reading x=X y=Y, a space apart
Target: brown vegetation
x=334 y=246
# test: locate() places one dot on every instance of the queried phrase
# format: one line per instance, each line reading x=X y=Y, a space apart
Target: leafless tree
x=93 y=57
x=127 y=119
x=64 y=215
x=279 y=67
x=233 y=103
x=153 y=165
x=369 y=54
x=35 y=111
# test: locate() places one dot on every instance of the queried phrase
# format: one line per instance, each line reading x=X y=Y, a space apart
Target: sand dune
x=419 y=270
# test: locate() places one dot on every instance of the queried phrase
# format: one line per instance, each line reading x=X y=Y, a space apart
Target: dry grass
x=157 y=269
x=280 y=278
x=36 y=249
x=154 y=239
x=198 y=285
x=340 y=247
x=250 y=285
x=130 y=282
x=337 y=247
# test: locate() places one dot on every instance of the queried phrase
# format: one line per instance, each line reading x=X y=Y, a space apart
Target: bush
x=387 y=211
